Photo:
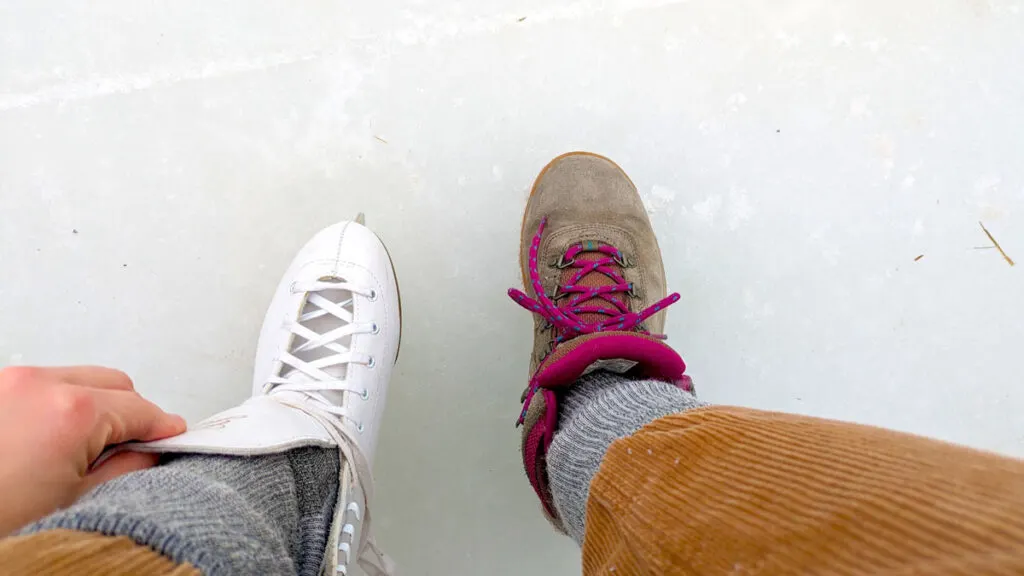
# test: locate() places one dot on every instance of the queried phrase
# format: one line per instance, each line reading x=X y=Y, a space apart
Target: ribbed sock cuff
x=222 y=514
x=598 y=410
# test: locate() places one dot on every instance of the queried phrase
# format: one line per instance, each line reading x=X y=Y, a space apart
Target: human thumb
x=118 y=465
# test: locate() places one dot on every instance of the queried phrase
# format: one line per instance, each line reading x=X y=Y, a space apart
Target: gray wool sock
x=596 y=411
x=225 y=515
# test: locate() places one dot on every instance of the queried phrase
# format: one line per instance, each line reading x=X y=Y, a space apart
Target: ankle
x=598 y=409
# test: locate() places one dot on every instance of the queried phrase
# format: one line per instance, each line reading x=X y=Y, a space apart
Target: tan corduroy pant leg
x=725 y=490
x=71 y=553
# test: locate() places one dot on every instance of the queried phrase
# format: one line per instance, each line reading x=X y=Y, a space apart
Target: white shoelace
x=307 y=394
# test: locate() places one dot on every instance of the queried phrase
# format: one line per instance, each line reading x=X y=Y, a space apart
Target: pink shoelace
x=565 y=318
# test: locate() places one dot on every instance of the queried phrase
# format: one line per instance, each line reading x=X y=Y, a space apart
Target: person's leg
x=625 y=459
x=724 y=490
x=599 y=409
x=282 y=483
x=221 y=514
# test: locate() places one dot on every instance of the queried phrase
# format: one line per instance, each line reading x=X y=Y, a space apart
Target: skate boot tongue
x=317 y=363
x=314 y=346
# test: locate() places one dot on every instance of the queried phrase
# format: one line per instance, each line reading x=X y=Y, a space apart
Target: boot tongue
x=594 y=279
x=597 y=279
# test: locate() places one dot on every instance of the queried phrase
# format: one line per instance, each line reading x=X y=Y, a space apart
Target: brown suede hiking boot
x=596 y=284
